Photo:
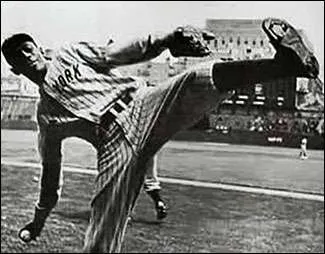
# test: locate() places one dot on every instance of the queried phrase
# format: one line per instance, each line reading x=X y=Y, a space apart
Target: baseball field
x=221 y=198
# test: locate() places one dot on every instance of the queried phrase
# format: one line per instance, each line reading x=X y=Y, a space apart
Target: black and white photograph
x=162 y=126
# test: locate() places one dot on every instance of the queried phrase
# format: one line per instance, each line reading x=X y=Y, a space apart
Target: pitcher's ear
x=47 y=53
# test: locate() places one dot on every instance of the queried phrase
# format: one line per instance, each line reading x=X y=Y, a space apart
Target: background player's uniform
x=151 y=180
x=152 y=187
x=126 y=121
x=303 y=149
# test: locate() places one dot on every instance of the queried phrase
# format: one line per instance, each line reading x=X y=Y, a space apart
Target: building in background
x=239 y=39
x=269 y=106
x=19 y=98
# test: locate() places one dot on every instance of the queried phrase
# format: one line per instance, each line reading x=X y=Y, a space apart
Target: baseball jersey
x=303 y=144
x=81 y=80
x=82 y=83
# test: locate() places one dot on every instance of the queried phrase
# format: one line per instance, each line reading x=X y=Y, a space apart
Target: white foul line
x=233 y=187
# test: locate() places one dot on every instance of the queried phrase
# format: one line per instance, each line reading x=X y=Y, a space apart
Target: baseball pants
x=155 y=115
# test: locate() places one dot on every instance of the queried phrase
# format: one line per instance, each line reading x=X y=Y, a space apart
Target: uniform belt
x=118 y=106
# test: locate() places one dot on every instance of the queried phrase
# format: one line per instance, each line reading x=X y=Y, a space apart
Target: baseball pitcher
x=126 y=120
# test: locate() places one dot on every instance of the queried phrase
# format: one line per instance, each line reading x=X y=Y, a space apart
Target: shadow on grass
x=85 y=215
x=80 y=215
x=138 y=220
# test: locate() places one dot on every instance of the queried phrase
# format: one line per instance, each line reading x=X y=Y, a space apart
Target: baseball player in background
x=152 y=187
x=303 y=149
x=124 y=118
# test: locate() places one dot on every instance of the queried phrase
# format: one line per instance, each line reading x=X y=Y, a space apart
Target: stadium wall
x=281 y=139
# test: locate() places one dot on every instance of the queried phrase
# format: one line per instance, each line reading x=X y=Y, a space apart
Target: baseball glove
x=189 y=41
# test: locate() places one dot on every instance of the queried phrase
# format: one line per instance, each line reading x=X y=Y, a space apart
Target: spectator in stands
x=320 y=126
x=312 y=124
x=257 y=124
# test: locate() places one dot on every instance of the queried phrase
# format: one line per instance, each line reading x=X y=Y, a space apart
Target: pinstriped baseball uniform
x=126 y=121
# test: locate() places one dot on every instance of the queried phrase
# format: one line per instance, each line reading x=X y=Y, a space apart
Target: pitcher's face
x=28 y=59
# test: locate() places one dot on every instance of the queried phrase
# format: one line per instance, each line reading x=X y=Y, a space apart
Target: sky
x=56 y=22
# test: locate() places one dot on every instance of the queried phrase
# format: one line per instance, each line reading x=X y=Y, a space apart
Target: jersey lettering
x=69 y=76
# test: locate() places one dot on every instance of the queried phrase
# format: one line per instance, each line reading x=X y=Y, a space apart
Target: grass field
x=199 y=219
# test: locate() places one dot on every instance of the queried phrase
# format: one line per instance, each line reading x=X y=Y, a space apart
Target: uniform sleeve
x=51 y=177
x=117 y=54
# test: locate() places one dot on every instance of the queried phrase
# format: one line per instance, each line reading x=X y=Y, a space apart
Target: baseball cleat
x=30 y=232
x=161 y=210
x=291 y=45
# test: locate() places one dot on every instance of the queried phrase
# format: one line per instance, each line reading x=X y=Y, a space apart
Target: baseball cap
x=9 y=46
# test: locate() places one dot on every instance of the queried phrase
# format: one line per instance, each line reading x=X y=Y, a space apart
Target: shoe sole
x=282 y=34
